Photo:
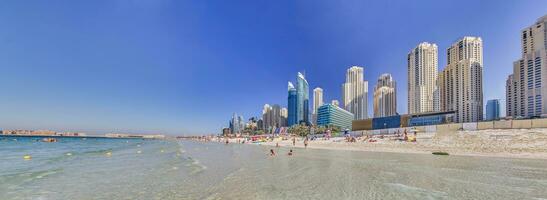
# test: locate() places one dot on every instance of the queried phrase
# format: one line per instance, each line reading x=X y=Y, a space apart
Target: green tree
x=320 y=130
x=300 y=130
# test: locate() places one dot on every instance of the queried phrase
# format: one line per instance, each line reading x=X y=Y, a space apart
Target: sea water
x=99 y=168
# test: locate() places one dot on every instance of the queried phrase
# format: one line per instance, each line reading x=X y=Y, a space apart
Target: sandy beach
x=513 y=143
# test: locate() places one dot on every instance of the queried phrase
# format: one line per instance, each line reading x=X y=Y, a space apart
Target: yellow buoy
x=27 y=157
x=162 y=150
x=139 y=152
x=108 y=154
x=69 y=154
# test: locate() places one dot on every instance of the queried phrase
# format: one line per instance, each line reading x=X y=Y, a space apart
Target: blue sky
x=183 y=67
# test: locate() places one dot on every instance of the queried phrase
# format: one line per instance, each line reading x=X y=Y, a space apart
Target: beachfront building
x=302 y=99
x=430 y=118
x=493 y=110
x=291 y=104
x=317 y=102
x=331 y=115
x=385 y=99
x=526 y=88
x=422 y=64
x=355 y=92
x=460 y=83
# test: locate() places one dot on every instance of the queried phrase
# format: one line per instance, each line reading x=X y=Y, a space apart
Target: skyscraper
x=460 y=83
x=317 y=102
x=355 y=93
x=273 y=117
x=526 y=88
x=422 y=63
x=492 y=110
x=284 y=117
x=385 y=99
x=292 y=118
x=237 y=124
x=302 y=99
x=267 y=117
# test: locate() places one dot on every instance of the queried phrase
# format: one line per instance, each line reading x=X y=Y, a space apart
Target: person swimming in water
x=290 y=152
x=272 y=153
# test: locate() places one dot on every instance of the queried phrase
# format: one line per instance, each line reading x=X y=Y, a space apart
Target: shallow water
x=192 y=170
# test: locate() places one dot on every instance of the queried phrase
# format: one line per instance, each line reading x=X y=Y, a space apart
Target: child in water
x=290 y=152
x=272 y=153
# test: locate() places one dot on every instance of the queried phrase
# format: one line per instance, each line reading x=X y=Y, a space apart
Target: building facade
x=317 y=102
x=302 y=99
x=460 y=83
x=237 y=124
x=273 y=117
x=355 y=93
x=432 y=118
x=492 y=110
x=422 y=65
x=385 y=96
x=526 y=88
x=330 y=115
x=292 y=105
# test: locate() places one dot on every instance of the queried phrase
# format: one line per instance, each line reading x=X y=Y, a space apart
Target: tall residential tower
x=422 y=64
x=355 y=93
x=302 y=99
x=526 y=88
x=460 y=83
x=291 y=105
x=385 y=99
x=317 y=102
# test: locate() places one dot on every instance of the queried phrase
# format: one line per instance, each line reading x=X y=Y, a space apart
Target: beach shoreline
x=501 y=143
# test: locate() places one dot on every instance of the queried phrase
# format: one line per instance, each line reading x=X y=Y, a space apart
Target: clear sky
x=183 y=67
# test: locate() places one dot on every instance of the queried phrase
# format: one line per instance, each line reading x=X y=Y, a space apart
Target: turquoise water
x=168 y=169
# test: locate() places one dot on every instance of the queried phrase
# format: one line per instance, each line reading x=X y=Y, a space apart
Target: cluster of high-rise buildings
x=456 y=90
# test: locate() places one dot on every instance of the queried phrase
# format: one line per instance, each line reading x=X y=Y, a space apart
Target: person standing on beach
x=294 y=141
x=306 y=143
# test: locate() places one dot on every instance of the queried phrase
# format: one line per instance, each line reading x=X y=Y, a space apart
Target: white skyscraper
x=355 y=93
x=526 y=88
x=422 y=78
x=460 y=83
x=385 y=98
x=317 y=102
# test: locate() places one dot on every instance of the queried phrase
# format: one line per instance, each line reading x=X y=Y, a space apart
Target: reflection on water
x=192 y=170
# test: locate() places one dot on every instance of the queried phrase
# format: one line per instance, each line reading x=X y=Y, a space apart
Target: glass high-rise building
x=302 y=99
x=331 y=115
x=493 y=110
x=291 y=104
